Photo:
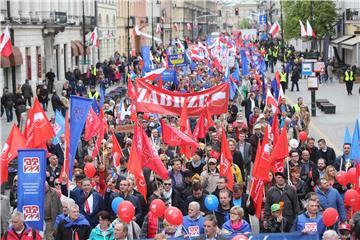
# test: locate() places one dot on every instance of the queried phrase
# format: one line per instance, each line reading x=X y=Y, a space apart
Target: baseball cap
x=280 y=174
x=275 y=207
x=257 y=126
x=213 y=160
x=344 y=226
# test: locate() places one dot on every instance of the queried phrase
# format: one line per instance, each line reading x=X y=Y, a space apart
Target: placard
x=312 y=83
x=306 y=68
x=318 y=66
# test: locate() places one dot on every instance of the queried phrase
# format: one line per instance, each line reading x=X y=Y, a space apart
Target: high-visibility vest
x=95 y=95
x=283 y=77
x=276 y=52
x=349 y=77
x=270 y=52
x=266 y=57
x=93 y=71
x=297 y=108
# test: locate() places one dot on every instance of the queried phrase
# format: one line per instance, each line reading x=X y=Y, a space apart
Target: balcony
x=352 y=15
x=50 y=17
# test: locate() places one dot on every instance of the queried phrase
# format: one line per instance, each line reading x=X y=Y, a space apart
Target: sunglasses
x=56 y=184
x=167 y=184
x=212 y=163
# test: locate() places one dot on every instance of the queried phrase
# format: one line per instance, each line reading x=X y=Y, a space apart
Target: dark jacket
x=201 y=201
x=247 y=210
x=68 y=228
x=8 y=100
x=329 y=156
x=288 y=196
x=26 y=90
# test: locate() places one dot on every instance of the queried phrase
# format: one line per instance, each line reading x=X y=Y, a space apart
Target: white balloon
x=293 y=143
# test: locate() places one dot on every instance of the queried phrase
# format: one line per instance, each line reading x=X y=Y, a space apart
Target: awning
x=15 y=59
x=341 y=39
x=74 y=49
x=80 y=47
x=352 y=41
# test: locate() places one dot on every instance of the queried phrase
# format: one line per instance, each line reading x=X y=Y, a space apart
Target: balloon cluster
x=344 y=178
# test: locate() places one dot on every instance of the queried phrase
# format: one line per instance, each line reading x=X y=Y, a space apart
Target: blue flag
x=347 y=136
x=244 y=63
x=132 y=74
x=355 y=148
x=263 y=88
x=79 y=108
x=31 y=186
x=95 y=106
x=227 y=74
x=236 y=73
x=145 y=54
x=59 y=126
x=276 y=88
x=102 y=95
x=232 y=89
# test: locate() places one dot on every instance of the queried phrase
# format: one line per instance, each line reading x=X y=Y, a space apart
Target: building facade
x=47 y=35
x=107 y=28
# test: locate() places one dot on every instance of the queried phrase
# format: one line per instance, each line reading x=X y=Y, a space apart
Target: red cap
x=344 y=226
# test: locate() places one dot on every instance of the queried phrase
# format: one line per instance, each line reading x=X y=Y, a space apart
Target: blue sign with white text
x=31 y=186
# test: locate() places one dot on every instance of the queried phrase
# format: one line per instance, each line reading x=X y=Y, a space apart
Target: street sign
x=312 y=83
x=307 y=68
x=262 y=19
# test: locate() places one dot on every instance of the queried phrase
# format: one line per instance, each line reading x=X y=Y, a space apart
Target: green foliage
x=324 y=17
x=244 y=24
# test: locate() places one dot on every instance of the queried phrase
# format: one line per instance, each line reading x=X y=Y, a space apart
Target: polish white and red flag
x=158 y=28
x=188 y=26
x=275 y=28
x=95 y=38
x=309 y=31
x=5 y=43
x=303 y=31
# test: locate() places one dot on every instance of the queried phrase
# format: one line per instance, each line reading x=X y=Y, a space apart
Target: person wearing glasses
x=104 y=230
x=210 y=177
x=210 y=229
x=171 y=196
x=236 y=224
x=52 y=170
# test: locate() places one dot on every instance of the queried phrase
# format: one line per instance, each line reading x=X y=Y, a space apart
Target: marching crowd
x=293 y=199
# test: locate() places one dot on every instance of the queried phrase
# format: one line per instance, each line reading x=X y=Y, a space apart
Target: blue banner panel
x=31 y=186
x=177 y=60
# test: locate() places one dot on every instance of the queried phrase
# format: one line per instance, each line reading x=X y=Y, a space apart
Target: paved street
x=329 y=126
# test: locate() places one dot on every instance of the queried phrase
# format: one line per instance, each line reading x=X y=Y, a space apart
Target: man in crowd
x=193 y=223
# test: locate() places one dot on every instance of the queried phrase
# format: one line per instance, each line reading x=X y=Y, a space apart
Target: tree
x=324 y=17
x=244 y=23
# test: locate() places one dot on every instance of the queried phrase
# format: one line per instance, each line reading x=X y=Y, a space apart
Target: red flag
x=5 y=43
x=116 y=150
x=14 y=142
x=92 y=125
x=257 y=77
x=226 y=161
x=275 y=129
x=210 y=122
x=199 y=130
x=100 y=134
x=262 y=164
x=280 y=151
x=257 y=193
x=217 y=65
x=270 y=100
x=185 y=128
x=174 y=137
x=38 y=129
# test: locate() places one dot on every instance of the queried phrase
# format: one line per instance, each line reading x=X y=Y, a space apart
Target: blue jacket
x=191 y=225
x=332 y=199
x=97 y=233
x=303 y=221
x=245 y=227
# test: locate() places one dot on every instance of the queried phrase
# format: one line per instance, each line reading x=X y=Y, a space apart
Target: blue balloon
x=211 y=202
x=115 y=203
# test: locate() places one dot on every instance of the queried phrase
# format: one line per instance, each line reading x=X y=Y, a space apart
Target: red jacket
x=27 y=234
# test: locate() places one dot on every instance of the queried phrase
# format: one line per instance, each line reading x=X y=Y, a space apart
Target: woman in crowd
x=104 y=230
x=236 y=224
x=330 y=175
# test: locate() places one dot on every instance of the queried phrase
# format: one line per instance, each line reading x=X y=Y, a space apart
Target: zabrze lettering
x=157 y=100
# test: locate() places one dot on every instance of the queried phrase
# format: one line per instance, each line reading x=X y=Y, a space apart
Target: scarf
x=81 y=220
x=236 y=226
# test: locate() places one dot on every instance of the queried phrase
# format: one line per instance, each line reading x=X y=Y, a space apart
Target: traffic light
x=236 y=11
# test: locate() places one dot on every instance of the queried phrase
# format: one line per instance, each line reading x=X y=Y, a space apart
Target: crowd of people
x=293 y=199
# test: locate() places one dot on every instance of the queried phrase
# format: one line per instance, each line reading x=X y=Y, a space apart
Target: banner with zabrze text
x=153 y=99
x=31 y=186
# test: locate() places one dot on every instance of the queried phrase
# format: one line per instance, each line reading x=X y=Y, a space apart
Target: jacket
x=193 y=227
x=204 y=237
x=247 y=210
x=209 y=180
x=26 y=90
x=27 y=234
x=228 y=230
x=332 y=199
x=304 y=221
x=98 y=234
x=67 y=229
x=53 y=202
x=329 y=155
x=288 y=196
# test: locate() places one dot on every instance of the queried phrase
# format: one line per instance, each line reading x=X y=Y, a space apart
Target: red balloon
x=330 y=216
x=89 y=170
x=341 y=177
x=351 y=197
x=302 y=136
x=126 y=211
x=240 y=237
x=351 y=176
x=173 y=216
x=157 y=207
